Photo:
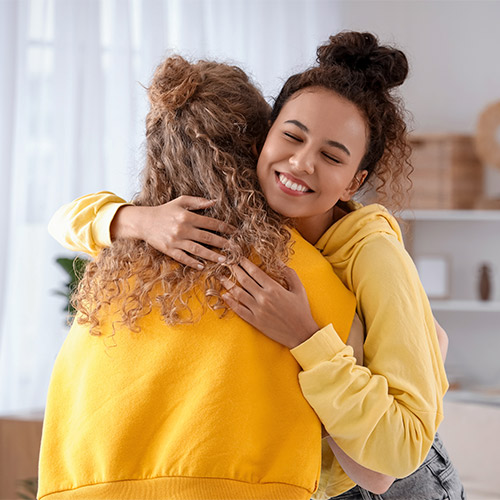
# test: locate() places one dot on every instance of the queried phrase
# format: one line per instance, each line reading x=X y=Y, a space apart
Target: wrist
x=306 y=333
x=126 y=223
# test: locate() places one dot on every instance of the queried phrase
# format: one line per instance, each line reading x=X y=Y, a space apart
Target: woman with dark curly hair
x=334 y=127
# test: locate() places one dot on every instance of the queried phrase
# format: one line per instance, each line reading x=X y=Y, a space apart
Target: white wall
x=454 y=52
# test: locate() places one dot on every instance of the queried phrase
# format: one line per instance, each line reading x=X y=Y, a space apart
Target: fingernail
x=221 y=258
x=201 y=266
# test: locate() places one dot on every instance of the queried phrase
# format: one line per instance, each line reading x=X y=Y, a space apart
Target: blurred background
x=72 y=110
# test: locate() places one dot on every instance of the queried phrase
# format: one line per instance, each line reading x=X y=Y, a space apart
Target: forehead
x=323 y=111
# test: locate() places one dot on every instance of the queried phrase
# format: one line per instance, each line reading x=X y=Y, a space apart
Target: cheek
x=260 y=169
x=261 y=175
x=333 y=185
x=271 y=152
x=264 y=162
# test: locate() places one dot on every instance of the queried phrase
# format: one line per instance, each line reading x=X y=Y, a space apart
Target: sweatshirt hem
x=182 y=488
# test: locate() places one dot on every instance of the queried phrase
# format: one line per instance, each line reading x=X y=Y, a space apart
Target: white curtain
x=71 y=122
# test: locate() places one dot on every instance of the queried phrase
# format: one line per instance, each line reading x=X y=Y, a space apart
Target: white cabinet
x=470 y=432
x=466 y=239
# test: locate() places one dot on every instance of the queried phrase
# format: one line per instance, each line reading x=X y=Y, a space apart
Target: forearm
x=380 y=427
x=370 y=480
x=128 y=223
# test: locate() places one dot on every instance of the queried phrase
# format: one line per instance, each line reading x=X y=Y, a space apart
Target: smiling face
x=311 y=157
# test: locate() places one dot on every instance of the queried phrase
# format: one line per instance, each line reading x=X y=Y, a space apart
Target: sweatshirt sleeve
x=385 y=414
x=83 y=224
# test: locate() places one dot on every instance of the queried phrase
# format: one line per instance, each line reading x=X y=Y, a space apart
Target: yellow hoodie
x=212 y=410
x=394 y=403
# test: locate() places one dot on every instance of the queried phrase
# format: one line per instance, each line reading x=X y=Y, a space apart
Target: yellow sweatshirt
x=394 y=403
x=384 y=415
x=212 y=410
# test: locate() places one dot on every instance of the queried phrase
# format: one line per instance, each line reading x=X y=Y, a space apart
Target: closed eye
x=331 y=158
x=293 y=137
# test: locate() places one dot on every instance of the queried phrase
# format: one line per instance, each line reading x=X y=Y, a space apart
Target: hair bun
x=175 y=81
x=382 y=67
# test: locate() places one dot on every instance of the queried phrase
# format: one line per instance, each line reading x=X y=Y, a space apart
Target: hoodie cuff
x=102 y=223
x=322 y=346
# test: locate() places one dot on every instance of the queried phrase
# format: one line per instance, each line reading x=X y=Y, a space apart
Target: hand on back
x=174 y=229
x=282 y=315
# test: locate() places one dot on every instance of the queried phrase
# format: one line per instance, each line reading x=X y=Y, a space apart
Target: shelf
x=465 y=305
x=451 y=215
x=478 y=396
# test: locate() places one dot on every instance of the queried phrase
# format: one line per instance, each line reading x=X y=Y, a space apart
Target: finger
x=247 y=282
x=202 y=252
x=238 y=308
x=238 y=293
x=207 y=238
x=257 y=274
x=193 y=202
x=293 y=280
x=204 y=222
x=184 y=258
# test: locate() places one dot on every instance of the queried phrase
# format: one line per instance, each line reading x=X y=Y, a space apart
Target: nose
x=302 y=161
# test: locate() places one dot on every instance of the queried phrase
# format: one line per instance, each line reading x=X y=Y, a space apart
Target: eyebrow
x=335 y=144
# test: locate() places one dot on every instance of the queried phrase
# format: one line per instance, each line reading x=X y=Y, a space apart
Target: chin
x=285 y=213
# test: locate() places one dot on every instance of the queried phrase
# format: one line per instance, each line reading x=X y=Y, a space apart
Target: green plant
x=75 y=269
x=27 y=488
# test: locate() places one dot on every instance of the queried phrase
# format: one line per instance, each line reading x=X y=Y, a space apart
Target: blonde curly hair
x=205 y=121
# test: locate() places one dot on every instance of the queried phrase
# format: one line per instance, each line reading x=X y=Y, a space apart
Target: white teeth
x=291 y=185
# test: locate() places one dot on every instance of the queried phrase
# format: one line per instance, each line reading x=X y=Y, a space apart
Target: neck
x=312 y=228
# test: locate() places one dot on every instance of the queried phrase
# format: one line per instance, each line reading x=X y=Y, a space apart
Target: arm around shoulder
x=83 y=225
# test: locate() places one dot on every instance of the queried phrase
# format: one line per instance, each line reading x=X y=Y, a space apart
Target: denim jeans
x=435 y=479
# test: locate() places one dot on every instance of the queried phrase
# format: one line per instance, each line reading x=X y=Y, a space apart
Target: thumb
x=293 y=280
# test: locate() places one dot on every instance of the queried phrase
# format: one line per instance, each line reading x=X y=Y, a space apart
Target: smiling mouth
x=285 y=182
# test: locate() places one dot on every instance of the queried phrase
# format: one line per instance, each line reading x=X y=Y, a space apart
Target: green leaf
x=66 y=264
x=75 y=268
x=28 y=488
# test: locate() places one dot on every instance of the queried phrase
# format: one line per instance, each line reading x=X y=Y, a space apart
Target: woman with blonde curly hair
x=202 y=127
x=159 y=391
x=334 y=127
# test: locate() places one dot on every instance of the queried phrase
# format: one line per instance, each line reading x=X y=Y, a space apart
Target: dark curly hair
x=204 y=123
x=355 y=66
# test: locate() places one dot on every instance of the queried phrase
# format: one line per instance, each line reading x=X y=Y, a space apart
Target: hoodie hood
x=340 y=243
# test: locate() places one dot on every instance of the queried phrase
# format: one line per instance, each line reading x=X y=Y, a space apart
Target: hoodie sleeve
x=383 y=415
x=83 y=224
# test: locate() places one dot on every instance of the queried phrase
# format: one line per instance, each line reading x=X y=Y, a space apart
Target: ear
x=354 y=185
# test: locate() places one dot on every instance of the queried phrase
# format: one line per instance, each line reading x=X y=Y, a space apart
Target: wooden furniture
x=19 y=448
x=488 y=135
x=447 y=172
